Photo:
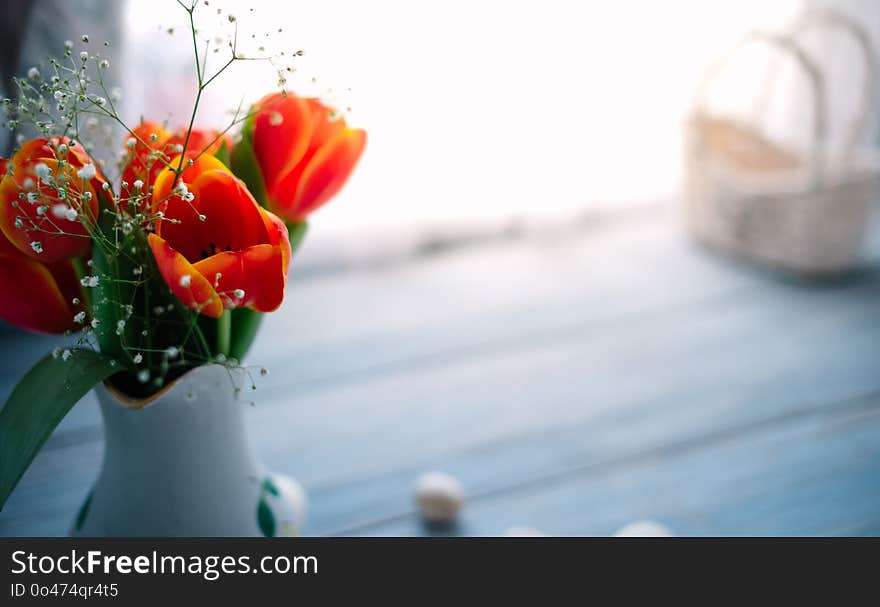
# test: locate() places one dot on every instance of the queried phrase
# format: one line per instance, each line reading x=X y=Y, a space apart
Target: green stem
x=224 y=333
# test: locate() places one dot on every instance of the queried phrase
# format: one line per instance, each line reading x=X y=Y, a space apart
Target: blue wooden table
x=573 y=381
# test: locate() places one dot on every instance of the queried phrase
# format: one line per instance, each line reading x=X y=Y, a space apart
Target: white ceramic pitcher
x=180 y=464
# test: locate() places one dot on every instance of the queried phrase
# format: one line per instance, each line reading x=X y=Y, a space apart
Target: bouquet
x=169 y=265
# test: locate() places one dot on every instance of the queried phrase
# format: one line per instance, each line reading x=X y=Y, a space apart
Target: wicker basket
x=805 y=213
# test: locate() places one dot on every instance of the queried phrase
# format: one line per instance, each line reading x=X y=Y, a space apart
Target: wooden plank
x=816 y=474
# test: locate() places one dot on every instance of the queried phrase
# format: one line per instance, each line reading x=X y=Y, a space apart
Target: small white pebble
x=644 y=529
x=439 y=496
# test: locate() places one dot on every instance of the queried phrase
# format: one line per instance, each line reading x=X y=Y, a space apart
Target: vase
x=180 y=464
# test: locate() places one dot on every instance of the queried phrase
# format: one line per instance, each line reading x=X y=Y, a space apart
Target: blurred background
x=491 y=110
x=511 y=288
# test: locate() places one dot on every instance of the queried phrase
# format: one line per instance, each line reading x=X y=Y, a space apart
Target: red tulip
x=152 y=146
x=145 y=143
x=206 y=141
x=37 y=296
x=215 y=246
x=49 y=199
x=305 y=153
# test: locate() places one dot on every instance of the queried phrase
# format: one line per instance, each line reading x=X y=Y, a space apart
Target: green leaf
x=39 y=402
x=245 y=321
x=83 y=511
x=296 y=232
x=222 y=154
x=245 y=326
x=265 y=519
x=107 y=290
x=243 y=162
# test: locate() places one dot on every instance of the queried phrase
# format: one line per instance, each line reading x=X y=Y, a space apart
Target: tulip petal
x=59 y=238
x=324 y=174
x=257 y=270
x=282 y=131
x=327 y=125
x=278 y=235
x=34 y=296
x=230 y=218
x=184 y=280
x=201 y=141
x=142 y=164
x=205 y=162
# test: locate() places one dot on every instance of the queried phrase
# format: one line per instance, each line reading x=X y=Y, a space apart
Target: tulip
x=49 y=199
x=152 y=146
x=207 y=141
x=145 y=144
x=305 y=153
x=214 y=245
x=36 y=296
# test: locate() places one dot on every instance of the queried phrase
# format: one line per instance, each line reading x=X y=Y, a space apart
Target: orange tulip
x=37 y=296
x=208 y=141
x=305 y=153
x=215 y=246
x=151 y=146
x=145 y=144
x=49 y=198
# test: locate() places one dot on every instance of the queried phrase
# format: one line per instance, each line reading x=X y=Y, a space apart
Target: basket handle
x=834 y=19
x=808 y=66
